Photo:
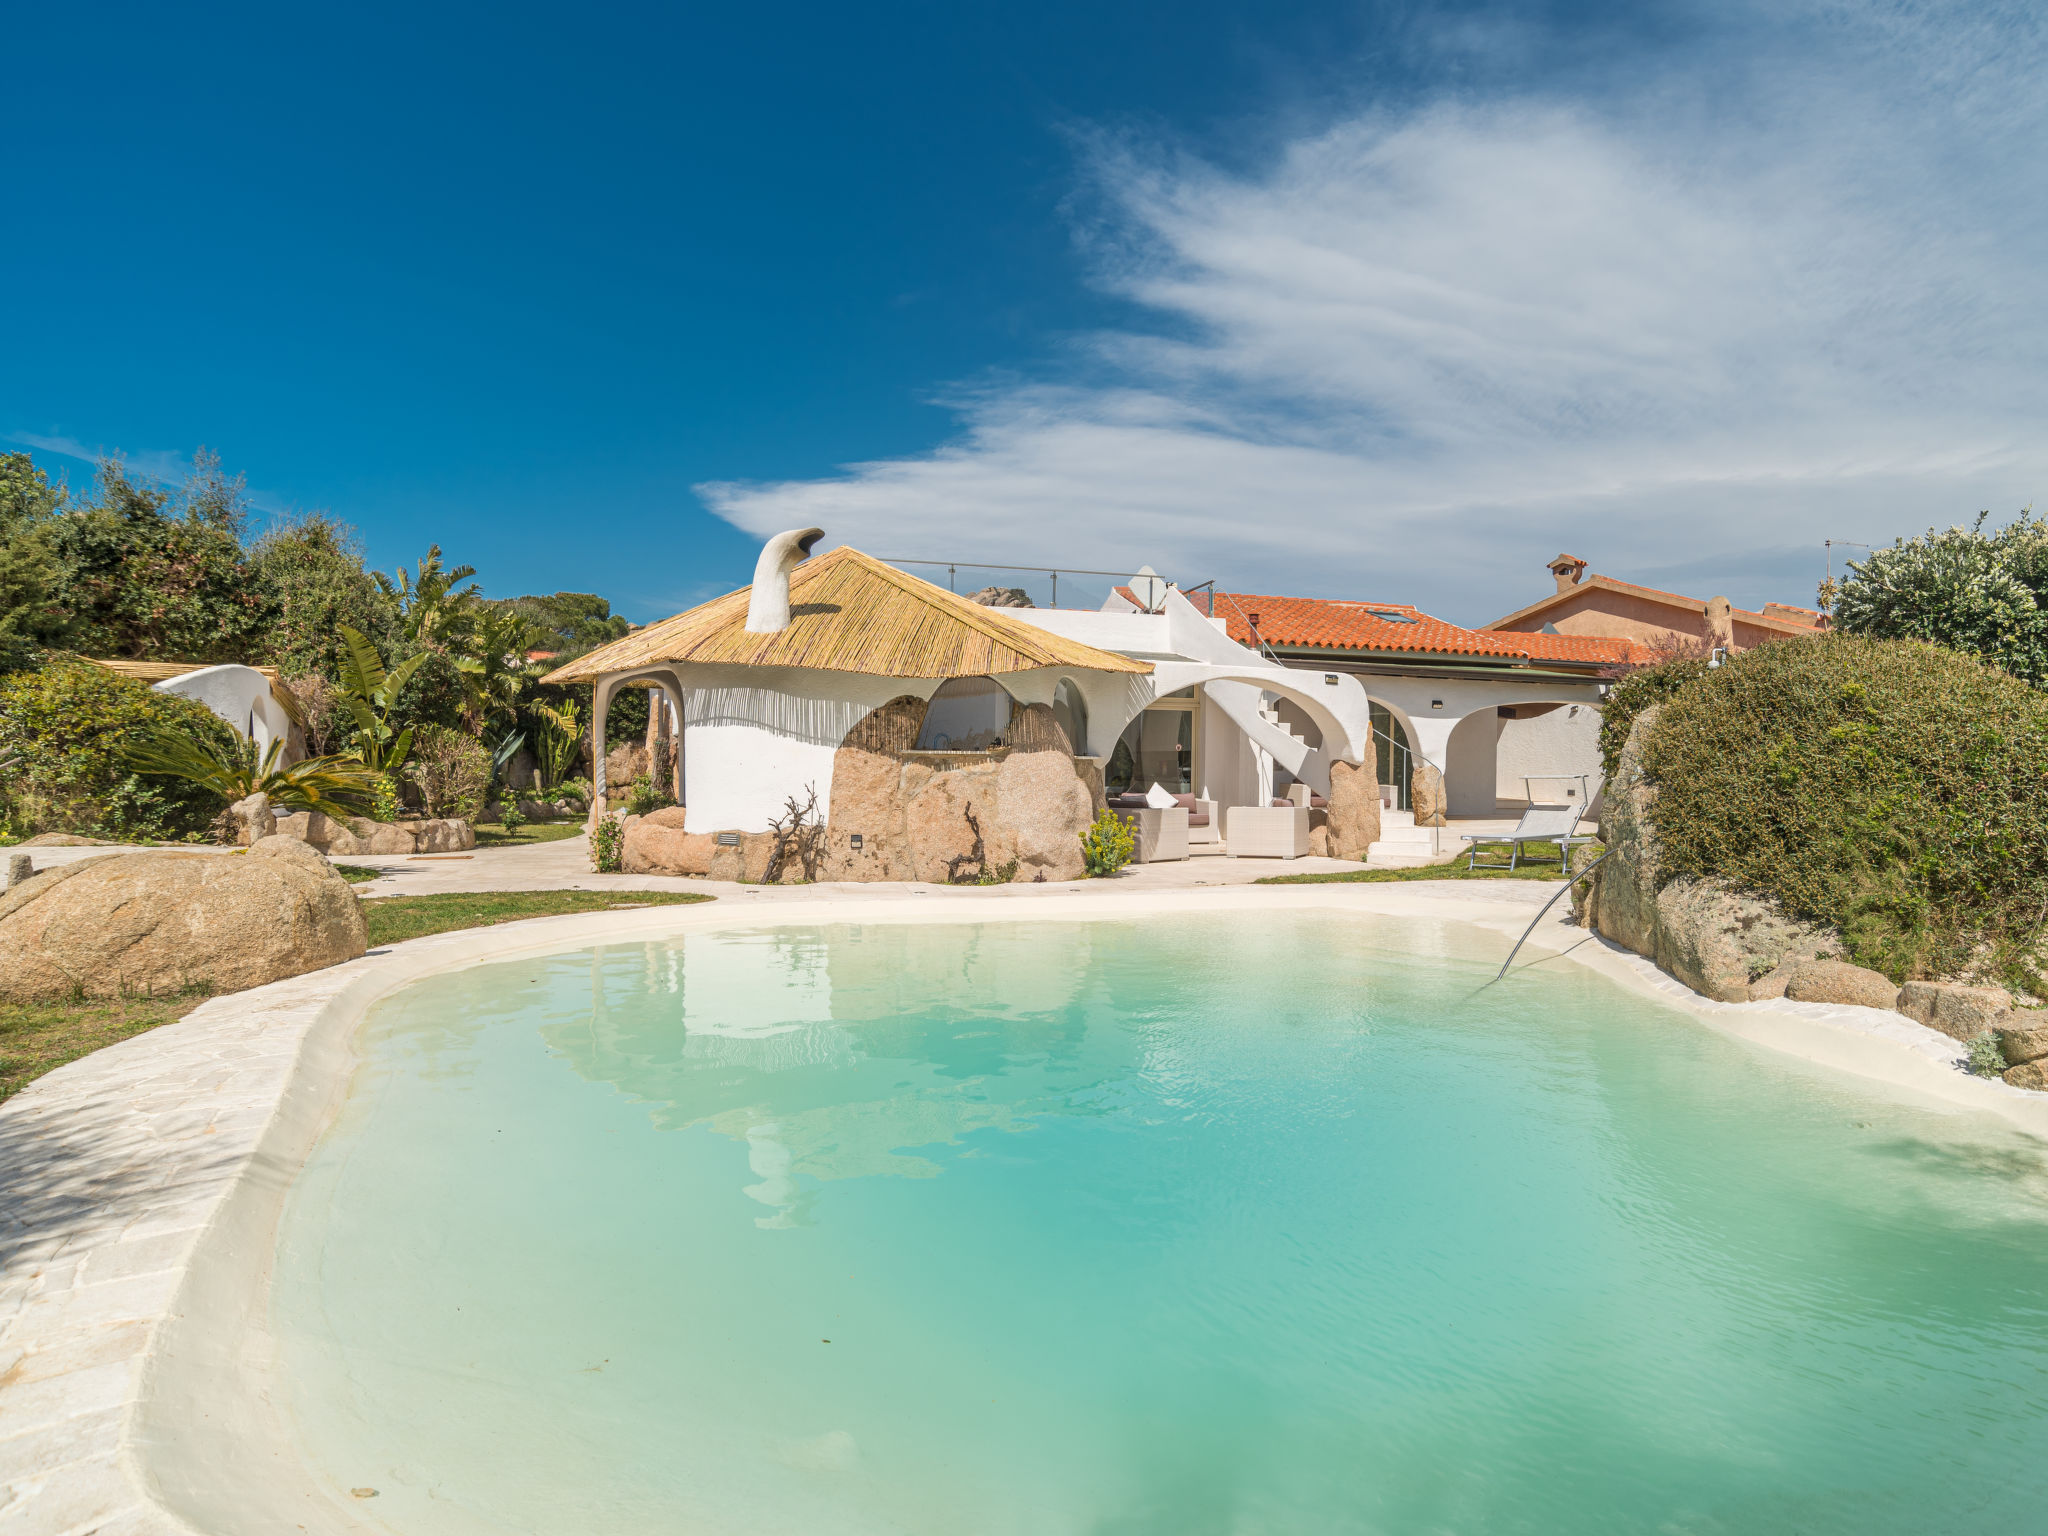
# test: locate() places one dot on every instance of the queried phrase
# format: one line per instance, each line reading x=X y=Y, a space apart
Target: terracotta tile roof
x=1343 y=625
x=1333 y=624
x=1608 y=650
x=1779 y=616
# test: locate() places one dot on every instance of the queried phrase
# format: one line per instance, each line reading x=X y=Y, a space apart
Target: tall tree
x=312 y=568
x=1986 y=593
x=30 y=617
x=151 y=575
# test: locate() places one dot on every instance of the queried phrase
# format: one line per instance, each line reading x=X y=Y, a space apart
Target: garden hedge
x=66 y=727
x=1893 y=789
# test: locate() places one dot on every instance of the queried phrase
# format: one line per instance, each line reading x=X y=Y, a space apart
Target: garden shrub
x=607 y=845
x=644 y=797
x=434 y=695
x=1107 y=845
x=1631 y=695
x=1892 y=789
x=70 y=725
x=451 y=771
x=1987 y=1056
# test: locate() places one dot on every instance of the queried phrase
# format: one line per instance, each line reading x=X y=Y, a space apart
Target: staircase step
x=1380 y=856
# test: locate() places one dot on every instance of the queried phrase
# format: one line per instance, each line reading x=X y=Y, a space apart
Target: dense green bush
x=313 y=572
x=434 y=695
x=1893 y=789
x=1633 y=694
x=451 y=771
x=70 y=725
x=149 y=575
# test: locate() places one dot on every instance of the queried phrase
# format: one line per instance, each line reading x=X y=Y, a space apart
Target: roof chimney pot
x=768 y=606
x=1569 y=570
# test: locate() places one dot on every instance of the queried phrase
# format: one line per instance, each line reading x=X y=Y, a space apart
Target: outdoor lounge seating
x=1553 y=824
x=1157 y=836
x=1266 y=831
x=1204 y=825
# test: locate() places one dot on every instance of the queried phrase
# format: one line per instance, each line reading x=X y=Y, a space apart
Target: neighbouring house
x=943 y=739
x=1593 y=605
x=250 y=699
x=1465 y=723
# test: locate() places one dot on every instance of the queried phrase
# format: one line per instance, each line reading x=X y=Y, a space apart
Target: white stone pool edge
x=143 y=1184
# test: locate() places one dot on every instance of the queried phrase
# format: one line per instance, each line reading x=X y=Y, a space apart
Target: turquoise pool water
x=1267 y=1225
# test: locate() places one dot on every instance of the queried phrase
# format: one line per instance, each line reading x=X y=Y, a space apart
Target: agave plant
x=333 y=786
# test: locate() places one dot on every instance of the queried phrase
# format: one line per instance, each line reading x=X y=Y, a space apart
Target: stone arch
x=1470 y=756
x=1553 y=741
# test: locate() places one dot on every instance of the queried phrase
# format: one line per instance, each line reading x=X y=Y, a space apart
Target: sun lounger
x=1552 y=824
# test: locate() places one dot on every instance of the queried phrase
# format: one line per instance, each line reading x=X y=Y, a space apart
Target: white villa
x=940 y=739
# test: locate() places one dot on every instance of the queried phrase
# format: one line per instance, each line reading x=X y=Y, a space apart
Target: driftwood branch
x=799 y=838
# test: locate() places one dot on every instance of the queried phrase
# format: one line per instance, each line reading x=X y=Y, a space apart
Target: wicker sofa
x=1204 y=825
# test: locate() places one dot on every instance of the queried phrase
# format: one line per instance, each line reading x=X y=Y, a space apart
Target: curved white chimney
x=768 y=609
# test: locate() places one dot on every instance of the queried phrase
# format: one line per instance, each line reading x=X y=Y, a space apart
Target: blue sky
x=1354 y=300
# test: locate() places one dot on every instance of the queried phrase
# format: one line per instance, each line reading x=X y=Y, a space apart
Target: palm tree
x=333 y=786
x=495 y=672
x=433 y=607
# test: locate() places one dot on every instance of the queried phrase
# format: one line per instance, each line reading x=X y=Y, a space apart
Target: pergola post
x=600 y=706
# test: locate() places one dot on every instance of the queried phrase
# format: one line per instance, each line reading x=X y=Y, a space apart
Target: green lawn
x=40 y=1037
x=494 y=836
x=357 y=874
x=396 y=918
x=1542 y=869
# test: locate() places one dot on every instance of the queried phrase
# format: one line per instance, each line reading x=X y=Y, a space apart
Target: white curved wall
x=1469 y=764
x=1563 y=741
x=239 y=695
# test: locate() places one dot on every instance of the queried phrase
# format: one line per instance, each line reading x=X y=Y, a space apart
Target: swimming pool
x=1257 y=1223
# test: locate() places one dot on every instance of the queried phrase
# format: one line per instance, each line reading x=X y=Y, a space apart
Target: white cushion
x=1160 y=798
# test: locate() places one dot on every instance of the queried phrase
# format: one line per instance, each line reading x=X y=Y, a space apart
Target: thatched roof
x=848 y=612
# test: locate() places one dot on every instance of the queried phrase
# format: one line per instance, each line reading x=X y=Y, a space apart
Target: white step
x=1397 y=856
x=1409 y=837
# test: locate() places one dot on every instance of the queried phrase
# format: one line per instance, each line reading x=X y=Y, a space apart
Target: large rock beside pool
x=2022 y=1035
x=1353 y=825
x=1959 y=1011
x=154 y=923
x=1836 y=981
x=2029 y=1074
x=658 y=844
x=360 y=835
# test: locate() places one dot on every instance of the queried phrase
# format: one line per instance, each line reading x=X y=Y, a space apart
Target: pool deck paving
x=142 y=1182
x=564 y=865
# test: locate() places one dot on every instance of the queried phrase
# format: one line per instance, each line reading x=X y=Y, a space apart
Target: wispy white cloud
x=165 y=466
x=1691 y=317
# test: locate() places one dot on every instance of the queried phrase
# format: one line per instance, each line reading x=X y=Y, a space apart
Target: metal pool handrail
x=1570 y=881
